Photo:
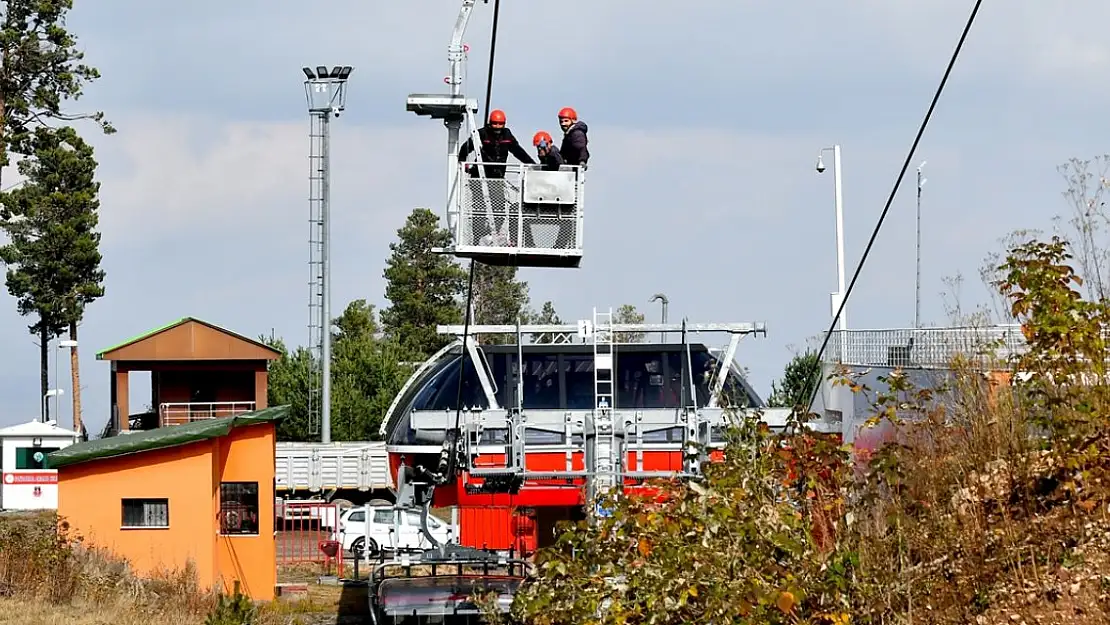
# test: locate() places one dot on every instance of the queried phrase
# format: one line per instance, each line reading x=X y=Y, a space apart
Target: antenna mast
x=326 y=93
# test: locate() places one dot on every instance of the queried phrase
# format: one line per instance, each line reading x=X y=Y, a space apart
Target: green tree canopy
x=367 y=372
x=422 y=287
x=547 y=316
x=800 y=377
x=628 y=313
x=42 y=69
x=499 y=298
x=53 y=253
x=289 y=385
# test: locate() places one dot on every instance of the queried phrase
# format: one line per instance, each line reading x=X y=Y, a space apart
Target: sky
x=705 y=123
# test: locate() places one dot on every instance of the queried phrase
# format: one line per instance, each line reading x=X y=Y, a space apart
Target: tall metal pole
x=326 y=93
x=917 y=294
x=840 y=280
x=840 y=395
x=325 y=286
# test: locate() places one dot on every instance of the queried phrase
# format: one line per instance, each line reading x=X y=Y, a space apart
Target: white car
x=354 y=538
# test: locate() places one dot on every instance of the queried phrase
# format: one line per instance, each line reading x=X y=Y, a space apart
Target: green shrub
x=234 y=609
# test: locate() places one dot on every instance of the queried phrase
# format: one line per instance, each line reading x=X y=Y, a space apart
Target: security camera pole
x=917 y=295
x=326 y=91
x=840 y=403
x=839 y=202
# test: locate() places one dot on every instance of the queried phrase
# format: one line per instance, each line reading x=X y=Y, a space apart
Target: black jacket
x=553 y=161
x=495 y=149
x=575 y=142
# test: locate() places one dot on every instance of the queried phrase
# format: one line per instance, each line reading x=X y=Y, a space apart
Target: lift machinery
x=527 y=217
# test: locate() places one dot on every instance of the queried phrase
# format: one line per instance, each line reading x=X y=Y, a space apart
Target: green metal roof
x=161 y=438
x=174 y=324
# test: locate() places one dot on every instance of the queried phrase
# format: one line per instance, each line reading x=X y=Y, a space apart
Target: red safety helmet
x=542 y=137
x=497 y=116
x=568 y=113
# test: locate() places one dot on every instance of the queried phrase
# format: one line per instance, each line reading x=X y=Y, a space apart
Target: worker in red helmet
x=497 y=142
x=547 y=213
x=575 y=142
x=549 y=155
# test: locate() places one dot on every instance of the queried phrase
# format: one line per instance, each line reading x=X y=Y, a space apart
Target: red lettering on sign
x=30 y=478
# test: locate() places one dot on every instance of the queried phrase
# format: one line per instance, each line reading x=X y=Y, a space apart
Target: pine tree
x=53 y=255
x=367 y=372
x=799 y=378
x=547 y=316
x=627 y=313
x=42 y=68
x=499 y=299
x=288 y=384
x=422 y=287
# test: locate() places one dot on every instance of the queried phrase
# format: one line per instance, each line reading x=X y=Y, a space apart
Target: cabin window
x=541 y=382
x=441 y=393
x=641 y=381
x=383 y=517
x=32 y=458
x=148 y=513
x=238 y=508
x=578 y=373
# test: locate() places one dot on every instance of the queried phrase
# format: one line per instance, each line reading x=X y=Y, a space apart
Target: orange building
x=200 y=492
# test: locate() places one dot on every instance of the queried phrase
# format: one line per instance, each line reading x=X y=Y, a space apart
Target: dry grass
x=47 y=576
x=968 y=519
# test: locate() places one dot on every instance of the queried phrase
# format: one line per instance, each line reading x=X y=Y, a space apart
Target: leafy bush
x=234 y=609
x=983 y=485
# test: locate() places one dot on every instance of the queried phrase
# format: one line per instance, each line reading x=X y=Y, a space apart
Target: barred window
x=146 y=513
x=238 y=508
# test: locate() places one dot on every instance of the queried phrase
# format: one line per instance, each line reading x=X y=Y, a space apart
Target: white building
x=26 y=482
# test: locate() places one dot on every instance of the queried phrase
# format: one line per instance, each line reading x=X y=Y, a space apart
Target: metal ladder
x=606 y=451
x=317 y=169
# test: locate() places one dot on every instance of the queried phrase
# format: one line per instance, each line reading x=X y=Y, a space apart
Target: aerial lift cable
x=890 y=200
x=453 y=438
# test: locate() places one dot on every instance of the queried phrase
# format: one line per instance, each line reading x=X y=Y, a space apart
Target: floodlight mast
x=326 y=93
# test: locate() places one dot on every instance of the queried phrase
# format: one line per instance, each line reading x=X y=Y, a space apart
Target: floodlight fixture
x=326 y=90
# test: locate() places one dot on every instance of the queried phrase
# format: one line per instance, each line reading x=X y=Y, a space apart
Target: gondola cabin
x=526 y=420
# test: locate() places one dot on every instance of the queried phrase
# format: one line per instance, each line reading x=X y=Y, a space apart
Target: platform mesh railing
x=491 y=214
x=926 y=348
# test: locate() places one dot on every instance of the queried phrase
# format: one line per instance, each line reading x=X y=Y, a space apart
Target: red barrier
x=307 y=532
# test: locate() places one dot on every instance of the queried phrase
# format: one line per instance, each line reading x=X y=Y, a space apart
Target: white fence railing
x=187 y=412
x=925 y=348
x=528 y=209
